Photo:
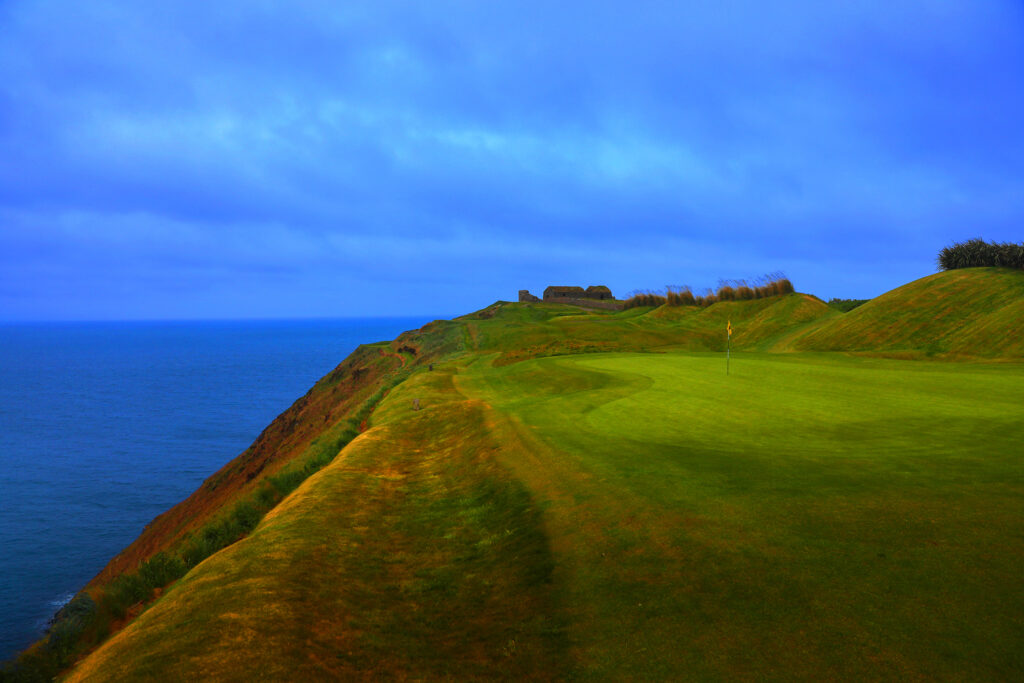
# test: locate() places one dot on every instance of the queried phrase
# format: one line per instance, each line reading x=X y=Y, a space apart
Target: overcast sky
x=307 y=159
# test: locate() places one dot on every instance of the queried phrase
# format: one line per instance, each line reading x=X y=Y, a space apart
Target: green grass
x=807 y=516
x=973 y=312
x=634 y=515
x=520 y=331
x=586 y=494
x=414 y=554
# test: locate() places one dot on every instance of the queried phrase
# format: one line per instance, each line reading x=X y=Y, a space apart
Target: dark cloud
x=222 y=159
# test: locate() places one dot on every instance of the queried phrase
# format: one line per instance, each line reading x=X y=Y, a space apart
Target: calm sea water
x=105 y=425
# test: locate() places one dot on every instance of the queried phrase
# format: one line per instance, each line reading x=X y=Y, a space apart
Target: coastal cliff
x=431 y=508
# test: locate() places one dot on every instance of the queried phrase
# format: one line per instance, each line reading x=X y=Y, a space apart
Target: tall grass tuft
x=977 y=253
x=772 y=284
x=645 y=298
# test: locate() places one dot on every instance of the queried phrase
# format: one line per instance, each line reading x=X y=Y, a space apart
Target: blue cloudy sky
x=303 y=159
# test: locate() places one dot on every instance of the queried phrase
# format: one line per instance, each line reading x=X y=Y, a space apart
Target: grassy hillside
x=586 y=493
x=413 y=554
x=522 y=331
x=970 y=312
x=632 y=515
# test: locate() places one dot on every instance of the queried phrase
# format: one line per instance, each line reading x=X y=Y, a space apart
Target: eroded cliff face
x=334 y=398
x=287 y=437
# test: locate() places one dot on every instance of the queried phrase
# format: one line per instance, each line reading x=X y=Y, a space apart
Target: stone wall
x=605 y=304
x=556 y=292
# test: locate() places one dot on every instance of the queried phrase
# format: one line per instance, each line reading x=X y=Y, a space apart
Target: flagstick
x=728 y=347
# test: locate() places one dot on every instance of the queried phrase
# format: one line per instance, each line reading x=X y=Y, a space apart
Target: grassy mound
x=976 y=312
x=518 y=332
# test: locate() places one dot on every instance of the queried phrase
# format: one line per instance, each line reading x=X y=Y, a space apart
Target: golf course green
x=808 y=515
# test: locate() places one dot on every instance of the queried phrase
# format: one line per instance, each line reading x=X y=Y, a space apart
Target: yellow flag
x=730 y=328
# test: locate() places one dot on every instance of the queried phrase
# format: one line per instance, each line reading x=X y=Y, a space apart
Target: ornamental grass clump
x=772 y=284
x=640 y=298
x=977 y=253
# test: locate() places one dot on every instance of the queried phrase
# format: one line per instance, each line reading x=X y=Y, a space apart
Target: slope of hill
x=414 y=554
x=289 y=437
x=442 y=542
x=630 y=516
x=976 y=312
x=520 y=331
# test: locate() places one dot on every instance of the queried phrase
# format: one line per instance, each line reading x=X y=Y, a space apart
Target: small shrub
x=161 y=569
x=977 y=253
x=123 y=592
x=37 y=666
x=639 y=298
x=196 y=549
x=246 y=516
x=267 y=497
x=215 y=535
x=679 y=295
x=68 y=625
x=706 y=299
x=287 y=481
x=772 y=284
x=846 y=305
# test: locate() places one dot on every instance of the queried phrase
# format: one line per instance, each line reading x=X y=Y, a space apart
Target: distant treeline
x=773 y=284
x=846 y=305
x=978 y=253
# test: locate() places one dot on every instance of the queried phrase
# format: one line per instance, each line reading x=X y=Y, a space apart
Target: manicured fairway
x=807 y=516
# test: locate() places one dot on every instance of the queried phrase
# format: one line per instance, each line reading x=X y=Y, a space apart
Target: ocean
x=103 y=426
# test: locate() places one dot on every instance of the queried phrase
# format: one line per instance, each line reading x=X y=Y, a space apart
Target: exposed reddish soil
x=331 y=399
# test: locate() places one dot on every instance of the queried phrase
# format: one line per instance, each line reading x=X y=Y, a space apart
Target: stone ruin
x=595 y=296
x=559 y=293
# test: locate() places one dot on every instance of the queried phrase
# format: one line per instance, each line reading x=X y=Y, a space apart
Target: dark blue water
x=105 y=425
